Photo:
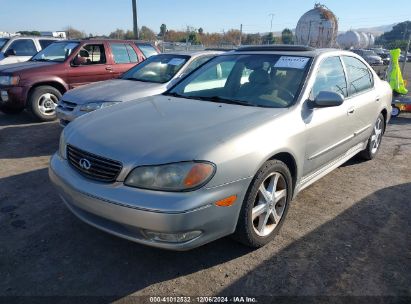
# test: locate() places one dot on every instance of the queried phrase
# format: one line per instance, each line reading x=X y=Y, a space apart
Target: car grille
x=67 y=106
x=101 y=169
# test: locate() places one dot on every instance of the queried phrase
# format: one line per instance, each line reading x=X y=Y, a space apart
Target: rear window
x=147 y=49
x=123 y=53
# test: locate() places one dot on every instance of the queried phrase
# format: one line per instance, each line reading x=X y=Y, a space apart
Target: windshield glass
x=158 y=68
x=264 y=80
x=3 y=41
x=57 y=52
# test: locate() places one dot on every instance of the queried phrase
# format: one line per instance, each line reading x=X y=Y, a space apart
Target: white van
x=22 y=48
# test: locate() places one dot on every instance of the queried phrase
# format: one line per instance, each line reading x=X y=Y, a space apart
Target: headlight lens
x=182 y=176
x=92 y=106
x=9 y=80
x=63 y=146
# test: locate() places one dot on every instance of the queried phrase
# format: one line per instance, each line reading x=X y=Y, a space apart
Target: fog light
x=4 y=96
x=172 y=237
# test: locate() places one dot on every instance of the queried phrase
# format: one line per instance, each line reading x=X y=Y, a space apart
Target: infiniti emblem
x=85 y=164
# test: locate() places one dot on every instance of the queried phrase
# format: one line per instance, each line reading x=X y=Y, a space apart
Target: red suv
x=39 y=83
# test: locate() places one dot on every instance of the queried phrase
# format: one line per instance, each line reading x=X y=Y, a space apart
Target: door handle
x=350 y=111
x=377 y=98
x=109 y=68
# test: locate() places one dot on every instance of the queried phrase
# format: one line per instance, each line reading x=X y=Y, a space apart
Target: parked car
x=153 y=76
x=39 y=83
x=225 y=150
x=384 y=54
x=370 y=56
x=22 y=48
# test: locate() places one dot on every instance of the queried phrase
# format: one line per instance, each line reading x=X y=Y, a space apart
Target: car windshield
x=158 y=68
x=57 y=52
x=3 y=41
x=147 y=49
x=265 y=80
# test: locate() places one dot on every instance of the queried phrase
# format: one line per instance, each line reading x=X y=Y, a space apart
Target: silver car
x=151 y=77
x=225 y=150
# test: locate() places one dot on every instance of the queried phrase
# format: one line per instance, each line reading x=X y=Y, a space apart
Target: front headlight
x=63 y=146
x=9 y=80
x=182 y=176
x=92 y=106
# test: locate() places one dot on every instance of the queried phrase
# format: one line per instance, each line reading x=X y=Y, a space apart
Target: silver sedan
x=151 y=77
x=225 y=150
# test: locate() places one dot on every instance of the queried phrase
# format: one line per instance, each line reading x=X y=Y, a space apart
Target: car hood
x=162 y=129
x=113 y=90
x=23 y=66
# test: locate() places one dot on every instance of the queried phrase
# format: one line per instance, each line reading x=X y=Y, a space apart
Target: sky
x=104 y=16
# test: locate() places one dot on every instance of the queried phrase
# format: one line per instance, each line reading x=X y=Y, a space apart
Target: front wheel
x=375 y=139
x=265 y=205
x=43 y=102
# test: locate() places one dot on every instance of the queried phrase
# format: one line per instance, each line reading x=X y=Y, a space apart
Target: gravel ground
x=346 y=235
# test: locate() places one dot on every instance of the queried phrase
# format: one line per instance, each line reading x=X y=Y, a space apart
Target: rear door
x=362 y=99
x=329 y=131
x=90 y=64
x=124 y=57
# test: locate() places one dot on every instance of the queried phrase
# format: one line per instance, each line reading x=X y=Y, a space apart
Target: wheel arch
x=53 y=83
x=289 y=160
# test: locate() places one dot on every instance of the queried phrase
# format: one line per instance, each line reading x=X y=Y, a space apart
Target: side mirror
x=327 y=99
x=10 y=52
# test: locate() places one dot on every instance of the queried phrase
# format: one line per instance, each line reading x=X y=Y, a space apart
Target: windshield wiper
x=220 y=99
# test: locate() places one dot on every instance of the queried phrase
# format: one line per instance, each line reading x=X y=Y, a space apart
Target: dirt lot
x=348 y=234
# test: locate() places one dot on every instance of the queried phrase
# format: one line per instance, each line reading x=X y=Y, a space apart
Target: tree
x=193 y=38
x=129 y=35
x=73 y=33
x=147 y=34
x=201 y=31
x=163 y=30
x=400 y=31
x=118 y=34
x=269 y=38
x=29 y=33
x=251 y=39
x=287 y=36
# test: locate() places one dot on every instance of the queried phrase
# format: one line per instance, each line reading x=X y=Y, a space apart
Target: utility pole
x=135 y=25
x=271 y=24
x=241 y=33
x=188 y=31
x=406 y=55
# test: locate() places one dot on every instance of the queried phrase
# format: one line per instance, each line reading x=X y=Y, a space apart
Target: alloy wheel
x=269 y=204
x=47 y=104
x=376 y=135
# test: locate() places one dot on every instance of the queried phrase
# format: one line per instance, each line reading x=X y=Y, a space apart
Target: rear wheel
x=374 y=141
x=395 y=111
x=43 y=102
x=265 y=205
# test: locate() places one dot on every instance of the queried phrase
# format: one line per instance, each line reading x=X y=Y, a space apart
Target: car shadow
x=16 y=119
x=27 y=140
x=363 y=251
x=51 y=252
x=401 y=120
x=47 y=251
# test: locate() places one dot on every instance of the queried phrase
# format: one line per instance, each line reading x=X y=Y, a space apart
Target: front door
x=90 y=64
x=329 y=130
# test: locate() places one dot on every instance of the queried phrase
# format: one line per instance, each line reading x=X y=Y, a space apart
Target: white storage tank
x=371 y=39
x=364 y=42
x=317 y=28
x=348 y=40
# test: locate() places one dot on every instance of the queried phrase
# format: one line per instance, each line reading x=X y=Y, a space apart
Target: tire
x=12 y=111
x=42 y=102
x=395 y=111
x=251 y=232
x=374 y=143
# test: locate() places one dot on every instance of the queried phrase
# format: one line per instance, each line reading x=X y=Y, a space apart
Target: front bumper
x=126 y=218
x=66 y=115
x=13 y=97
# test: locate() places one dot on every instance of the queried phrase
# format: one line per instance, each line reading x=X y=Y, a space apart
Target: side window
x=196 y=63
x=120 y=53
x=45 y=43
x=91 y=54
x=131 y=53
x=23 y=47
x=330 y=77
x=359 y=76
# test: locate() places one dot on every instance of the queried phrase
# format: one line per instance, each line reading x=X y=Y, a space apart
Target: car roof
x=34 y=37
x=294 y=50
